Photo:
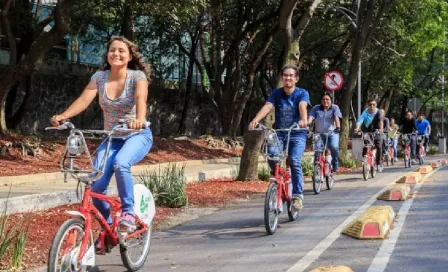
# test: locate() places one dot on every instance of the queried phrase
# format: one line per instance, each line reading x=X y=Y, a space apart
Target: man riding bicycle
x=290 y=103
x=424 y=129
x=409 y=126
x=327 y=118
x=370 y=121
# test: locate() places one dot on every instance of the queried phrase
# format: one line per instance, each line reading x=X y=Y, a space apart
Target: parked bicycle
x=73 y=247
x=369 y=162
x=280 y=188
x=322 y=162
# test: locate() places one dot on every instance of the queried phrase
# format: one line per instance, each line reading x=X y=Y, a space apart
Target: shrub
x=307 y=166
x=264 y=173
x=347 y=161
x=167 y=186
x=432 y=150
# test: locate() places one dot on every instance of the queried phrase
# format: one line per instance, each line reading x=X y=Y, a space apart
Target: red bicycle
x=421 y=149
x=369 y=162
x=389 y=156
x=406 y=142
x=73 y=248
x=322 y=167
x=280 y=187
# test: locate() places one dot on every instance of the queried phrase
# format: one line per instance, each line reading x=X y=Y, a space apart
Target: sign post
x=333 y=81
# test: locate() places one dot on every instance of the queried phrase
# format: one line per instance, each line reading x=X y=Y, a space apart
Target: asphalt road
x=234 y=239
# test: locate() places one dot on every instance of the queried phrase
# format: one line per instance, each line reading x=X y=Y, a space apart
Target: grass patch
x=167 y=185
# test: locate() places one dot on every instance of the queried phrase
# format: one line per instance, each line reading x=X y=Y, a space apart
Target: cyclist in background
x=327 y=118
x=393 y=137
x=370 y=121
x=386 y=126
x=423 y=128
x=409 y=126
x=290 y=103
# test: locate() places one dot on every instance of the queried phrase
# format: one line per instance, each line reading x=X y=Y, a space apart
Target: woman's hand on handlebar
x=136 y=124
x=55 y=120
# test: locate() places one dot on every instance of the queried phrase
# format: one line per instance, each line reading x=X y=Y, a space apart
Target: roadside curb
x=138 y=169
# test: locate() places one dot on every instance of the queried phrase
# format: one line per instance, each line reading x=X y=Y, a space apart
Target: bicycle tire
x=272 y=192
x=293 y=215
x=59 y=238
x=387 y=160
x=365 y=170
x=329 y=180
x=127 y=262
x=317 y=179
x=373 y=170
x=420 y=160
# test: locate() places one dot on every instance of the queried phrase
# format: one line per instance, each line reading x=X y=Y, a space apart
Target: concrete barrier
x=374 y=223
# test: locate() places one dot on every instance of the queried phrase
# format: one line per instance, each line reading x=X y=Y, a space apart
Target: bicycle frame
x=76 y=147
x=280 y=174
x=87 y=210
x=368 y=141
x=321 y=160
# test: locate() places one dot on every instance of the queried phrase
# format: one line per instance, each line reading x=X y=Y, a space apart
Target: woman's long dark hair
x=136 y=63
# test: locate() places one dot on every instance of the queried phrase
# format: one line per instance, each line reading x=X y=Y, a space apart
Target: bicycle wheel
x=373 y=170
x=317 y=179
x=420 y=159
x=365 y=169
x=293 y=215
x=380 y=167
x=392 y=159
x=68 y=241
x=140 y=244
x=270 y=209
x=330 y=182
x=387 y=160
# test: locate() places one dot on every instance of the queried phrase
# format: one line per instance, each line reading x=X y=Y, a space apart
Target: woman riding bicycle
x=122 y=87
x=409 y=126
x=290 y=104
x=393 y=137
x=370 y=121
x=327 y=118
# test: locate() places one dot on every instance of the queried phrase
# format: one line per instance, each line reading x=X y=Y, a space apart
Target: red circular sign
x=333 y=80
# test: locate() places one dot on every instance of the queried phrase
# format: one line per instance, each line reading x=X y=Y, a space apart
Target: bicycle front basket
x=318 y=144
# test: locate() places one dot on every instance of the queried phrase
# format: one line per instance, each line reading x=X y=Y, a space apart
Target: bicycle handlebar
x=294 y=127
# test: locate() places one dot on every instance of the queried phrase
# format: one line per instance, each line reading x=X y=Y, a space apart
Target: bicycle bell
x=75 y=145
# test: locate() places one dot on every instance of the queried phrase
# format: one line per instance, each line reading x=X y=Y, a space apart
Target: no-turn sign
x=333 y=80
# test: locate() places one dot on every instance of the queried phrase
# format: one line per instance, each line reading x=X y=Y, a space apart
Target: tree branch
x=305 y=20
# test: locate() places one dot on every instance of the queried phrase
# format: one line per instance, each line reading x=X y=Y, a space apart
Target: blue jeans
x=297 y=144
x=394 y=146
x=122 y=155
x=333 y=145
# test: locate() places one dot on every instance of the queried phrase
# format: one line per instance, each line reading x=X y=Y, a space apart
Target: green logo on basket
x=144 y=204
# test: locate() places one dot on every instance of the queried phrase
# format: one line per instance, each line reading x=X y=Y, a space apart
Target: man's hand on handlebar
x=253 y=125
x=303 y=124
x=55 y=120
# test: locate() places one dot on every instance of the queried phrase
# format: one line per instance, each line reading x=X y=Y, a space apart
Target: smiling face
x=118 y=54
x=289 y=78
x=326 y=101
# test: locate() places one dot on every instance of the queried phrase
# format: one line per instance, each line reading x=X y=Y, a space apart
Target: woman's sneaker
x=127 y=223
x=297 y=204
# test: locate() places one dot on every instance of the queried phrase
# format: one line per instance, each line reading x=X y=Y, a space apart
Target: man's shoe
x=297 y=204
x=395 y=159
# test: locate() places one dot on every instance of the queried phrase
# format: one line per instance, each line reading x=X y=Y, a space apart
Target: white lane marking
x=382 y=257
x=314 y=254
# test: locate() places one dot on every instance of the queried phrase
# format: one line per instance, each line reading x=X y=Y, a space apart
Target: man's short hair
x=421 y=113
x=370 y=100
x=290 y=66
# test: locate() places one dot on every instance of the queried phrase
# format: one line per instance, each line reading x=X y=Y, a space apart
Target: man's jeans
x=295 y=153
x=394 y=146
x=122 y=155
x=333 y=145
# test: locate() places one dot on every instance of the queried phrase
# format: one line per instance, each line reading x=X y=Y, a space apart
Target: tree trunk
x=364 y=24
x=291 y=38
x=39 y=48
x=388 y=100
x=127 y=25
x=183 y=119
x=249 y=165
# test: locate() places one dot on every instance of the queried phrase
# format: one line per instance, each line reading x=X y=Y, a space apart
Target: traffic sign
x=333 y=80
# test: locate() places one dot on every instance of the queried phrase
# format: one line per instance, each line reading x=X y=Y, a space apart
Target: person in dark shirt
x=408 y=127
x=386 y=126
